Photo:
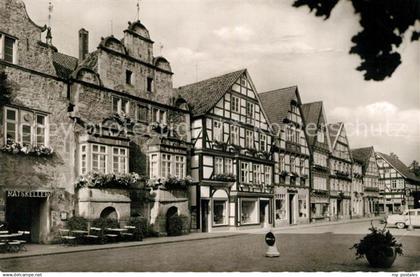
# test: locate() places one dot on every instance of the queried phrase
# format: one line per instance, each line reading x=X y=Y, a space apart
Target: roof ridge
x=211 y=78
x=276 y=90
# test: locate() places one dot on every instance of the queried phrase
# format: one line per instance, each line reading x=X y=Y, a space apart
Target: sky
x=280 y=46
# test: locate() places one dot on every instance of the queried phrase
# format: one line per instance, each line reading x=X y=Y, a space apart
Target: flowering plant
x=171 y=183
x=111 y=180
x=225 y=177
x=14 y=147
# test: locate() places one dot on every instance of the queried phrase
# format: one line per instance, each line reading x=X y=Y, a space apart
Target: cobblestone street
x=324 y=248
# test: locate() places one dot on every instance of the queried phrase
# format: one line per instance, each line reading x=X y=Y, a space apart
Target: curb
x=116 y=246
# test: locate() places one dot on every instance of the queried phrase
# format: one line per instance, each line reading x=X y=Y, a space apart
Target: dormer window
x=7 y=48
x=128 y=77
x=149 y=84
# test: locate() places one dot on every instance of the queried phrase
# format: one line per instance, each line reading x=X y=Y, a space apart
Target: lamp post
x=410 y=227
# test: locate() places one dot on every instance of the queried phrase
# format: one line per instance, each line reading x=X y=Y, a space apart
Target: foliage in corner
x=378 y=241
x=384 y=24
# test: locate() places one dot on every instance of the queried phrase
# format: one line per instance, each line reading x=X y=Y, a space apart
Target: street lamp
x=410 y=227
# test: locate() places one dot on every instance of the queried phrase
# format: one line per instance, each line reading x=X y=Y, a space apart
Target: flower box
x=13 y=147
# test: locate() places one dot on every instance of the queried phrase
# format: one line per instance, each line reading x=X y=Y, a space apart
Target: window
x=302 y=208
x=159 y=116
x=249 y=212
x=249 y=139
x=320 y=136
x=217 y=131
x=281 y=162
x=99 y=160
x=119 y=157
x=256 y=174
x=154 y=169
x=23 y=131
x=26 y=133
x=166 y=166
x=149 y=84
x=267 y=170
x=234 y=135
x=228 y=166
x=7 y=49
x=235 y=104
x=40 y=130
x=219 y=212
x=179 y=167
x=244 y=172
x=263 y=142
x=120 y=105
x=218 y=165
x=292 y=164
x=142 y=113
x=249 y=112
x=128 y=77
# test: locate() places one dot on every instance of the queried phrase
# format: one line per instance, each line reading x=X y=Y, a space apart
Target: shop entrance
x=204 y=215
x=27 y=214
x=264 y=213
x=291 y=209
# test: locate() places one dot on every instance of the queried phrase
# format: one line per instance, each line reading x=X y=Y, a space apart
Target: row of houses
x=106 y=134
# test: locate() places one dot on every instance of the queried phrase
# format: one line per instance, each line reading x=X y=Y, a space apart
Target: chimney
x=83 y=44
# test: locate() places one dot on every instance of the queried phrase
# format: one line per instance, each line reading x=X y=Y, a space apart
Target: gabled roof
x=276 y=103
x=362 y=155
x=399 y=166
x=204 y=95
x=64 y=64
x=311 y=113
x=334 y=131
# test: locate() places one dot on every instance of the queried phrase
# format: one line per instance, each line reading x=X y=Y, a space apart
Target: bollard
x=272 y=250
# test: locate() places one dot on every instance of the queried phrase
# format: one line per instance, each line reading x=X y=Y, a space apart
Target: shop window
x=219 y=212
x=22 y=131
x=249 y=212
x=302 y=208
x=281 y=207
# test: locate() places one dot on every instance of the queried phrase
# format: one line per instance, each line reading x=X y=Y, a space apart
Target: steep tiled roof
x=333 y=130
x=204 y=95
x=276 y=103
x=64 y=64
x=362 y=155
x=311 y=113
x=400 y=166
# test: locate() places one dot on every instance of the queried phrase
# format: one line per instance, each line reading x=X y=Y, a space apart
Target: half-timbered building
x=401 y=187
x=357 y=191
x=370 y=175
x=291 y=175
x=318 y=141
x=232 y=157
x=340 y=172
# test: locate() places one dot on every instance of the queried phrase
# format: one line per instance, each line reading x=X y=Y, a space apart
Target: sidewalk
x=46 y=249
x=53 y=249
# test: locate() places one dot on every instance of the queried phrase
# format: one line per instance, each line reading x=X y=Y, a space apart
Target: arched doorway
x=172 y=211
x=109 y=212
